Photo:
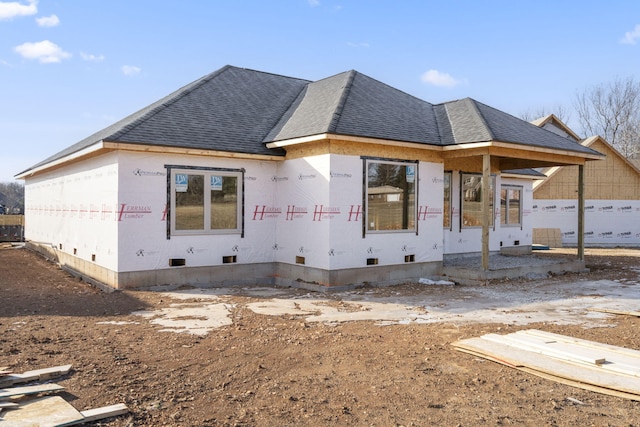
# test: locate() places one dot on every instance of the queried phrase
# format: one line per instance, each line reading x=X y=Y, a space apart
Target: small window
x=206 y=201
x=390 y=196
x=472 y=193
x=511 y=205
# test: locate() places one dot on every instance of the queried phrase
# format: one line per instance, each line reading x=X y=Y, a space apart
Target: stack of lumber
x=33 y=404
x=580 y=363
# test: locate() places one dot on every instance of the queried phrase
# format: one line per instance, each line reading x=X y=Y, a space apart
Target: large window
x=511 y=205
x=390 y=196
x=446 y=214
x=472 y=192
x=206 y=201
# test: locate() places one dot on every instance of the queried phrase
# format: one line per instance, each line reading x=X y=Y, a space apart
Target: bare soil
x=282 y=371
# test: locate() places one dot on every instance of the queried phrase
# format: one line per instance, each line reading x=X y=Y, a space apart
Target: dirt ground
x=266 y=370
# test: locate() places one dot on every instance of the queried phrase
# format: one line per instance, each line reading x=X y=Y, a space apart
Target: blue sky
x=70 y=68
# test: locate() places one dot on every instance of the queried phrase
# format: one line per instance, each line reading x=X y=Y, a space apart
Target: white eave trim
x=68 y=158
x=350 y=138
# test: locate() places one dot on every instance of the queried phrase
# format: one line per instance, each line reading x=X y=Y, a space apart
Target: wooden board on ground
x=50 y=411
x=29 y=389
x=618 y=374
x=104 y=412
x=613 y=311
x=54 y=411
x=35 y=375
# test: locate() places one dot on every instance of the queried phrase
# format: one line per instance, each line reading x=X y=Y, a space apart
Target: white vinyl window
x=472 y=193
x=511 y=205
x=205 y=201
x=390 y=196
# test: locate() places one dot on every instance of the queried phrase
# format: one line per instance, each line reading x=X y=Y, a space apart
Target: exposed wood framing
x=613 y=177
x=581 y=213
x=486 y=207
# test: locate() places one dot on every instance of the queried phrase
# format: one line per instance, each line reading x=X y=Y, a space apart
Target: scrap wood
x=104 y=412
x=603 y=378
x=50 y=411
x=546 y=347
x=613 y=311
x=54 y=411
x=29 y=389
x=35 y=375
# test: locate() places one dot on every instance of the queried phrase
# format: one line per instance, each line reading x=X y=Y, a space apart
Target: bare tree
x=612 y=110
x=11 y=197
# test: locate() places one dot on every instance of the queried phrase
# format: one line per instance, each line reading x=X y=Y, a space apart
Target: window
x=511 y=205
x=446 y=214
x=205 y=201
x=390 y=196
x=471 y=190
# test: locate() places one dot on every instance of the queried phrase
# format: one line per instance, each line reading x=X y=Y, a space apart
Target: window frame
x=492 y=183
x=504 y=213
x=207 y=172
x=365 y=194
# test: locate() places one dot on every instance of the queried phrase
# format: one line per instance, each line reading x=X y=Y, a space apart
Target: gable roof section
x=550 y=172
x=551 y=121
x=354 y=104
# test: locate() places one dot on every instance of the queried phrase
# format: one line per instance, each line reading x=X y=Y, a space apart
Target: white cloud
x=11 y=9
x=48 y=21
x=438 y=78
x=314 y=3
x=631 y=37
x=130 y=70
x=45 y=51
x=91 y=57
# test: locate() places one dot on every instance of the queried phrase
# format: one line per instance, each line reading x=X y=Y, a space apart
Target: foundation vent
x=372 y=261
x=177 y=262
x=300 y=260
x=229 y=259
x=410 y=258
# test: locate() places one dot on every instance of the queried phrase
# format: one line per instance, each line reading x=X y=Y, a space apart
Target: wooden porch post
x=486 y=194
x=581 y=212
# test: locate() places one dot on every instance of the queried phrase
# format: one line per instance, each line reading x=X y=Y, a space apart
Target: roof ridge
x=337 y=113
x=295 y=102
x=481 y=116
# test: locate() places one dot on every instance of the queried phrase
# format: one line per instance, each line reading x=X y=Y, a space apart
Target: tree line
x=11 y=198
x=610 y=110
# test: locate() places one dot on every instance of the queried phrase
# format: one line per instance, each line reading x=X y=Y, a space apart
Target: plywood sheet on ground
x=580 y=363
x=47 y=411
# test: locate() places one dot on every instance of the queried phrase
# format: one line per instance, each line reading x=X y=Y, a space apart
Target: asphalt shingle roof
x=239 y=110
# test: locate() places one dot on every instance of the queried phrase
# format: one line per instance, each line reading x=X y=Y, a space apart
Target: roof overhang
x=89 y=151
x=102 y=147
x=508 y=155
x=518 y=156
x=350 y=138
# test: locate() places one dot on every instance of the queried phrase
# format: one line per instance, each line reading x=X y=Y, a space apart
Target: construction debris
x=613 y=311
x=26 y=405
x=580 y=363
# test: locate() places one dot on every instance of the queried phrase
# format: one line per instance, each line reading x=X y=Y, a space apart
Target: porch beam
x=581 y=212
x=486 y=194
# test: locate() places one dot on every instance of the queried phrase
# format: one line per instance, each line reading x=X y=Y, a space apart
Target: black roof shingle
x=240 y=110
